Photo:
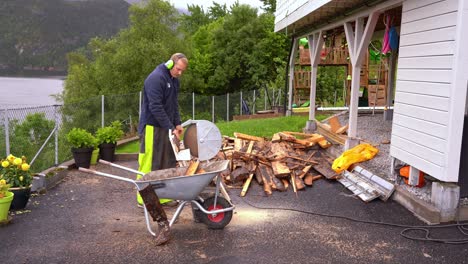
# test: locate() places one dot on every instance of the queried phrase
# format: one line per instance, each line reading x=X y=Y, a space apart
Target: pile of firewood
x=289 y=159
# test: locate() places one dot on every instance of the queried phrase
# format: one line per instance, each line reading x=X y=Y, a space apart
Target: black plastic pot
x=82 y=156
x=21 y=198
x=107 y=151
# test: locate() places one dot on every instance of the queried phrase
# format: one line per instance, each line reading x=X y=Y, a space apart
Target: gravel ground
x=376 y=131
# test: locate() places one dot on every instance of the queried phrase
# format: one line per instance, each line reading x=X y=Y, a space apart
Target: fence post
x=212 y=109
x=102 y=110
x=193 y=106
x=56 y=117
x=240 y=108
x=264 y=108
x=227 y=107
x=139 y=105
x=254 y=101
x=7 y=132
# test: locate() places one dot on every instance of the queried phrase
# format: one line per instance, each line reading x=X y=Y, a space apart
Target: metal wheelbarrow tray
x=215 y=212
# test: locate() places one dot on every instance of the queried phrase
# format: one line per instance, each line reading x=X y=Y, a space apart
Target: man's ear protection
x=169 y=64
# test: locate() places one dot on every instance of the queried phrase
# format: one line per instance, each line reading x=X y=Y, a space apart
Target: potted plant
x=107 y=140
x=5 y=200
x=15 y=171
x=83 y=144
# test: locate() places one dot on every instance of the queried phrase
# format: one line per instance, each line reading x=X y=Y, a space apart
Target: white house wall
x=424 y=83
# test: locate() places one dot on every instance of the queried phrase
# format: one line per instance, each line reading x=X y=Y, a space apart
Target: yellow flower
x=17 y=161
x=25 y=167
x=2 y=182
x=21 y=178
x=5 y=163
x=11 y=158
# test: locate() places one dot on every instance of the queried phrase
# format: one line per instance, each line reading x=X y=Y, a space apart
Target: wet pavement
x=91 y=219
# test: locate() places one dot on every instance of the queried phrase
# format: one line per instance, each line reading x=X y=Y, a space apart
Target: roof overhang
x=309 y=15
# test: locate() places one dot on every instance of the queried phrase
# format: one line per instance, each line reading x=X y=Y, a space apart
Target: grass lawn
x=255 y=127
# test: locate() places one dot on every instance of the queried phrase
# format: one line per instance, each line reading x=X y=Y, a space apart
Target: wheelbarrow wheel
x=216 y=221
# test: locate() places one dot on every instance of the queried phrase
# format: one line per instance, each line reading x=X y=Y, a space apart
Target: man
x=159 y=114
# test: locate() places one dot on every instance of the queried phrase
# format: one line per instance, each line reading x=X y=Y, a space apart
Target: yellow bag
x=359 y=153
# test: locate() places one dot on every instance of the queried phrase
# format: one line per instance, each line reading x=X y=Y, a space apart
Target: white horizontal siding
x=442 y=21
x=430 y=36
x=410 y=5
x=431 y=49
x=422 y=164
x=422 y=100
x=419 y=150
x=430 y=10
x=427 y=114
x=437 y=130
x=421 y=138
x=438 y=76
x=434 y=63
x=423 y=87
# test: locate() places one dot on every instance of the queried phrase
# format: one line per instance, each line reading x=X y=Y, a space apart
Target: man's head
x=179 y=66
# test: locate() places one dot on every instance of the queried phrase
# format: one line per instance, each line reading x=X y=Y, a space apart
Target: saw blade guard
x=203 y=138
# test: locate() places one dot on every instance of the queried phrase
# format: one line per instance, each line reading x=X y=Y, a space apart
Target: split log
x=309 y=179
x=278 y=184
x=280 y=170
x=239 y=174
x=293 y=183
x=276 y=138
x=192 y=168
x=250 y=147
x=266 y=186
x=200 y=171
x=247 y=137
x=324 y=144
x=247 y=183
x=291 y=138
x=267 y=177
x=238 y=144
x=299 y=183
x=304 y=171
x=285 y=183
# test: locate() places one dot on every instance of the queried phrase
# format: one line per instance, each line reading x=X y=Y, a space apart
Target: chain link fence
x=39 y=133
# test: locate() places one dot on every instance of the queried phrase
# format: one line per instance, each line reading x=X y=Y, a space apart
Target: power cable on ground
x=462 y=227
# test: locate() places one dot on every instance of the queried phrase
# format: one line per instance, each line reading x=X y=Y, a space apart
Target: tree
x=238 y=52
x=269 y=6
x=120 y=64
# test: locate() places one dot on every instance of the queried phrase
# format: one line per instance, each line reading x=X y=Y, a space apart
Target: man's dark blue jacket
x=160 y=107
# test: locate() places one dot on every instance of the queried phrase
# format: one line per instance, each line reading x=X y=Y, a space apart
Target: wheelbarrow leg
x=154 y=208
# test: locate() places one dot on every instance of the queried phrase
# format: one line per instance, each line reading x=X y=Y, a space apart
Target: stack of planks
x=333 y=130
x=289 y=159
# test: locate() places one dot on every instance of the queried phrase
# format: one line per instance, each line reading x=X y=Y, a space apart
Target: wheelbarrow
x=215 y=211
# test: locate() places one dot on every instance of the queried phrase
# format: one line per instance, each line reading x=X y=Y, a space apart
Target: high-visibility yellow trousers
x=155 y=153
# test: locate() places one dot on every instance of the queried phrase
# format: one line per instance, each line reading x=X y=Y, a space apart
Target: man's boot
x=154 y=208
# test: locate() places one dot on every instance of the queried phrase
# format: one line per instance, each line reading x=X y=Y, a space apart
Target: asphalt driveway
x=90 y=219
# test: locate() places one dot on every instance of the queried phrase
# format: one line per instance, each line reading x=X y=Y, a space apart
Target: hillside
x=37 y=34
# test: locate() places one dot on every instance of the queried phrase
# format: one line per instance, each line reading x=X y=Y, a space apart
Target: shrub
x=80 y=138
x=109 y=134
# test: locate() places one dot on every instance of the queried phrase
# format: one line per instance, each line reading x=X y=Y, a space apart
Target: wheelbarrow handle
x=120 y=167
x=107 y=175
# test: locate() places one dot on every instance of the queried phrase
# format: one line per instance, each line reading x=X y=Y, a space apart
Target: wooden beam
x=247 y=137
